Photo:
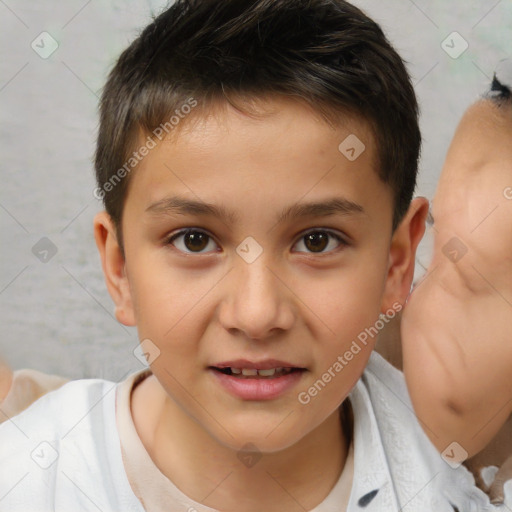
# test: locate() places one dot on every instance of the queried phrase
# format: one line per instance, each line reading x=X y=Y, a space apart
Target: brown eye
x=316 y=242
x=319 y=240
x=195 y=241
x=191 y=241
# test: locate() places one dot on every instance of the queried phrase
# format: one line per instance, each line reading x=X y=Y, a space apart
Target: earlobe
x=113 y=264
x=402 y=254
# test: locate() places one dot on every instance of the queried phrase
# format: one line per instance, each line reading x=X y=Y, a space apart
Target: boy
x=257 y=164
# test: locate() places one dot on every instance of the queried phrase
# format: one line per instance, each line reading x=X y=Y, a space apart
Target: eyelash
x=330 y=233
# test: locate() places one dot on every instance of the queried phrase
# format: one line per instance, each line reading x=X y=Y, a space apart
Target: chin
x=252 y=437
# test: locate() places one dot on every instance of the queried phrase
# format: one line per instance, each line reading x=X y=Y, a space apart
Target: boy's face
x=251 y=285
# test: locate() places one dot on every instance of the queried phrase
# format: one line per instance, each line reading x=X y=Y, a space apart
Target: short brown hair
x=325 y=52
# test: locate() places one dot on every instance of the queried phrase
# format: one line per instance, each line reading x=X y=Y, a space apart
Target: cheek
x=346 y=307
x=173 y=307
x=165 y=299
x=347 y=299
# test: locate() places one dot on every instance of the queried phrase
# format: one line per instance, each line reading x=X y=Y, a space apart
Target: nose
x=256 y=303
x=501 y=86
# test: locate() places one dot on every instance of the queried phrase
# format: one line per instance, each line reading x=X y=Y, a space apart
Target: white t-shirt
x=64 y=454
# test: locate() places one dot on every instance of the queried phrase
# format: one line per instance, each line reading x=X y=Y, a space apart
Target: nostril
x=498 y=89
x=501 y=86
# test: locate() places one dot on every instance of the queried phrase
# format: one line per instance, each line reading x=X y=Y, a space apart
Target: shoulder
x=54 y=413
x=24 y=388
x=418 y=471
x=383 y=390
x=70 y=410
x=64 y=451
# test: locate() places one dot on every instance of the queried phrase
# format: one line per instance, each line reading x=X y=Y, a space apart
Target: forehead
x=275 y=121
x=284 y=153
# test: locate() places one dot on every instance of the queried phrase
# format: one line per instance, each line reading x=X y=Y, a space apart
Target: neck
x=296 y=478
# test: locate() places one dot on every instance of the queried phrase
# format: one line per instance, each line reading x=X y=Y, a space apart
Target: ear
x=402 y=254
x=113 y=263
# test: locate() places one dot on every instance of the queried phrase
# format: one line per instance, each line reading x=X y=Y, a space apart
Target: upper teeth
x=248 y=372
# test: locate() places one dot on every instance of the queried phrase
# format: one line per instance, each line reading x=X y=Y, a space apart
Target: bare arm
x=456 y=329
x=457 y=325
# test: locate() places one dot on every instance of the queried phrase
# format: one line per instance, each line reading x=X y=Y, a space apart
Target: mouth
x=265 y=369
x=254 y=373
x=263 y=380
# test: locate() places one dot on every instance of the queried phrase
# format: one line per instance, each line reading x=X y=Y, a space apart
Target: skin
x=478 y=165
x=459 y=317
x=291 y=303
x=5 y=379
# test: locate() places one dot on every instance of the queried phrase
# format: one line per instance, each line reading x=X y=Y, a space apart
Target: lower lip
x=258 y=389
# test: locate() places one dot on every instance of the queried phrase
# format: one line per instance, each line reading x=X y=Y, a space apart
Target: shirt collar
x=372 y=488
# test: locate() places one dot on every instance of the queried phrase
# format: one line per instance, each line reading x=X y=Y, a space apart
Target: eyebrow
x=180 y=205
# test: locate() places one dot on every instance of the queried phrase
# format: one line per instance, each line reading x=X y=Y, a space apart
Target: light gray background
x=57 y=316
